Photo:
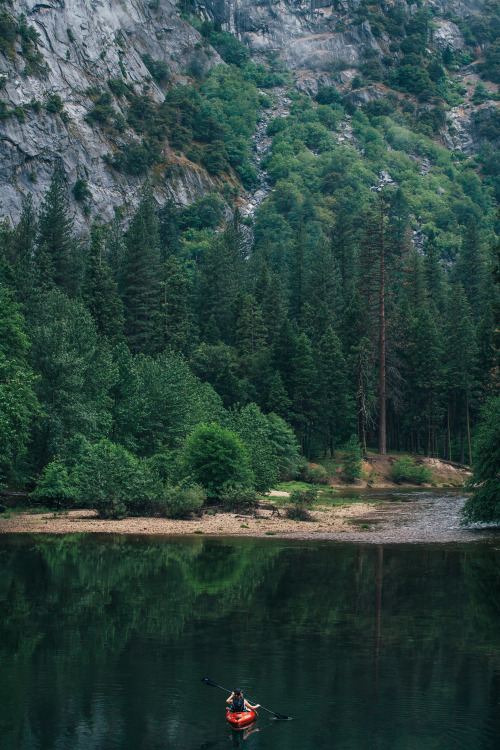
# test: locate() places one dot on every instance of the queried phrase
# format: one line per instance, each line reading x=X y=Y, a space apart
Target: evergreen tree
x=178 y=324
x=304 y=392
x=469 y=269
x=25 y=236
x=344 y=252
x=376 y=263
x=250 y=330
x=7 y=255
x=284 y=353
x=115 y=246
x=333 y=393
x=141 y=278
x=212 y=333
x=55 y=232
x=415 y=282
x=434 y=276
x=298 y=274
x=99 y=290
x=324 y=291
x=484 y=504
x=424 y=380
x=460 y=368
x=485 y=336
x=218 y=365
x=221 y=282
x=76 y=374
x=125 y=395
x=274 y=307
x=18 y=402
x=277 y=399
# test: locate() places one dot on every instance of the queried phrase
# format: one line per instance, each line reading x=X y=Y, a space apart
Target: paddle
x=210 y=682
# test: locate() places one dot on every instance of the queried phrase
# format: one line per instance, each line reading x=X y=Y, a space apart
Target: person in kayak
x=239 y=703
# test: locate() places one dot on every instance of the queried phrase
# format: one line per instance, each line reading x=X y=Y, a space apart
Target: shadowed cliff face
x=84 y=44
x=306 y=33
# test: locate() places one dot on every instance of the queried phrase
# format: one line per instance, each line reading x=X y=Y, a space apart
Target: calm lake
x=104 y=642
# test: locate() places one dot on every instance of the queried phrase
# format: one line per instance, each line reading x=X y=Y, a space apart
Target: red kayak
x=239 y=719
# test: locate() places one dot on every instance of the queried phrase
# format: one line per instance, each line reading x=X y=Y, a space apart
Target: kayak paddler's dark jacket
x=238 y=704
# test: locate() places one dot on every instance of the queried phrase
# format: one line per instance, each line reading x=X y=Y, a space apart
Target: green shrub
x=353 y=461
x=215 y=457
x=237 y=497
x=81 y=191
x=181 y=501
x=158 y=69
x=303 y=497
x=118 y=86
x=316 y=475
x=300 y=501
x=7 y=32
x=115 y=483
x=405 y=470
x=55 y=486
x=102 y=111
x=54 y=103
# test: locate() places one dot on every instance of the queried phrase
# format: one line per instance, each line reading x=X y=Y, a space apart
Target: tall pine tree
x=140 y=282
x=100 y=291
x=55 y=232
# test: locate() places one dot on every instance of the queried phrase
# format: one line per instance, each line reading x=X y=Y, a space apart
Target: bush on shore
x=405 y=470
x=300 y=501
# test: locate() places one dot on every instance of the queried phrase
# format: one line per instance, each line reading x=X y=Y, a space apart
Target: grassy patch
x=291 y=486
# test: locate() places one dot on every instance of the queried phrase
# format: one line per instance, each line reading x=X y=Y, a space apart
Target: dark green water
x=104 y=642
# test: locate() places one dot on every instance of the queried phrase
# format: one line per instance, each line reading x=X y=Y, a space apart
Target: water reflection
x=104 y=643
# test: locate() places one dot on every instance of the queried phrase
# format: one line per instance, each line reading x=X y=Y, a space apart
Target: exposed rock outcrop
x=85 y=43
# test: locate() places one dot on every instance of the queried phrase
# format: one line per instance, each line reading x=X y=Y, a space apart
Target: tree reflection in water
x=104 y=638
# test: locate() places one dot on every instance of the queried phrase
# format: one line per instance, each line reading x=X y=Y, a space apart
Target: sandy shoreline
x=424 y=517
x=264 y=522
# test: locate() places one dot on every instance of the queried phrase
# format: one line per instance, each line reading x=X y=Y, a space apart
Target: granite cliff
x=57 y=56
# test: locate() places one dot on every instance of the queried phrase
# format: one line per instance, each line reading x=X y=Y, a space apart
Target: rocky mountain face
x=55 y=56
x=317 y=34
x=83 y=44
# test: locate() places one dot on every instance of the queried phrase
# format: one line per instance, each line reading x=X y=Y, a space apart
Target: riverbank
x=377 y=471
x=376 y=517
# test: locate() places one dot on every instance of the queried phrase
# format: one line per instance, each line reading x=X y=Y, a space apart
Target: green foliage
x=238 y=497
x=300 y=501
x=18 y=402
x=229 y=48
x=140 y=283
x=352 y=461
x=158 y=69
x=54 y=104
x=7 y=32
x=81 y=190
x=405 y=470
x=55 y=487
x=102 y=110
x=55 y=233
x=118 y=86
x=316 y=475
x=211 y=122
x=113 y=482
x=484 y=503
x=182 y=501
x=215 y=457
x=75 y=376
